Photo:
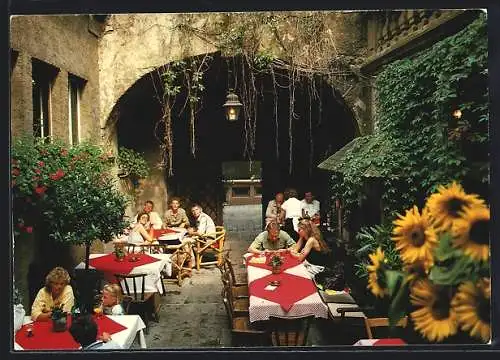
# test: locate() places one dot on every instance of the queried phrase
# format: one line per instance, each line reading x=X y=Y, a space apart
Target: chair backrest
x=381 y=322
x=130 y=248
x=138 y=282
x=152 y=248
x=229 y=311
x=229 y=266
x=290 y=331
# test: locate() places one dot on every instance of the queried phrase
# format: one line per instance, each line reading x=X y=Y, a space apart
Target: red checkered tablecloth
x=295 y=296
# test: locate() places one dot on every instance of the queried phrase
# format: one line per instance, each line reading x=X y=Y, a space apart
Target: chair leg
x=198 y=261
x=163 y=286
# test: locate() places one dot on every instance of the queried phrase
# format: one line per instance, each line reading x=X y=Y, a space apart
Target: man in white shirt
x=155 y=220
x=292 y=211
x=204 y=223
x=310 y=207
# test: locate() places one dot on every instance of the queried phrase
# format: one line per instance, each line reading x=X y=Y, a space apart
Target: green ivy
x=132 y=163
x=418 y=144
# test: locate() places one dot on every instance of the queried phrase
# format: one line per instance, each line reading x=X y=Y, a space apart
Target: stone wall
x=66 y=43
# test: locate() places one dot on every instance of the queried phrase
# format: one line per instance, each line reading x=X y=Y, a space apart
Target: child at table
x=112 y=297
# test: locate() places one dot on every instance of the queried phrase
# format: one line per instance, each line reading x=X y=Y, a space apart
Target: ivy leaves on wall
x=425 y=145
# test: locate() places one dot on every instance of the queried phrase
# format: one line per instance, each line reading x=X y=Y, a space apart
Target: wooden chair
x=289 y=331
x=140 y=302
x=242 y=332
x=210 y=243
x=131 y=248
x=381 y=322
x=229 y=266
x=237 y=292
x=181 y=254
x=152 y=249
x=239 y=307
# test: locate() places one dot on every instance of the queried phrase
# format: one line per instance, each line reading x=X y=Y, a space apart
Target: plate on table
x=133 y=258
x=275 y=283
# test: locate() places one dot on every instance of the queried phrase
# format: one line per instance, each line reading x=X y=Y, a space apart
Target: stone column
x=21 y=96
x=59 y=107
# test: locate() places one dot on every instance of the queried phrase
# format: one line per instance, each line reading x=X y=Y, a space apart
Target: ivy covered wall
x=422 y=140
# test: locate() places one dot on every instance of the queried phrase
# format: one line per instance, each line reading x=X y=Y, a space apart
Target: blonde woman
x=310 y=245
x=112 y=297
x=56 y=292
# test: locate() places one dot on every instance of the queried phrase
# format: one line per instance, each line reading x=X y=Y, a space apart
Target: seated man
x=273 y=211
x=155 y=221
x=271 y=239
x=204 y=223
x=176 y=216
x=310 y=208
x=84 y=331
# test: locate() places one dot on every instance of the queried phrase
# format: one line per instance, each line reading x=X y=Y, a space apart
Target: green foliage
x=368 y=240
x=421 y=144
x=57 y=312
x=132 y=163
x=67 y=193
x=263 y=60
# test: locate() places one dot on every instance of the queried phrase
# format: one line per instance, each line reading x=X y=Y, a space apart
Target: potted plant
x=19 y=311
x=445 y=284
x=59 y=318
x=276 y=261
x=119 y=251
x=65 y=195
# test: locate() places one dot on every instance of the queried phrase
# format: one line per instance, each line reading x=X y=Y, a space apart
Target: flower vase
x=19 y=313
x=59 y=325
x=276 y=269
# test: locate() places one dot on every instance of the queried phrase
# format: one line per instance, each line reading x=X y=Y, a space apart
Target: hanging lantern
x=232 y=106
x=457 y=114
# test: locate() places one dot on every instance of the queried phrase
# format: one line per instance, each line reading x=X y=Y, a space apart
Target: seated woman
x=56 y=292
x=112 y=297
x=310 y=245
x=139 y=233
x=176 y=216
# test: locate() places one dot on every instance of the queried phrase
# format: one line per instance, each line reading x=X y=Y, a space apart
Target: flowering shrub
x=445 y=283
x=65 y=192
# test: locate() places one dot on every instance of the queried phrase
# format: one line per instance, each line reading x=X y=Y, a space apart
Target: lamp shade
x=232 y=106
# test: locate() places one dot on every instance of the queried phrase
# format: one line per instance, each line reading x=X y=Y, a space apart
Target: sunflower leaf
x=393 y=280
x=455 y=271
x=445 y=251
x=397 y=308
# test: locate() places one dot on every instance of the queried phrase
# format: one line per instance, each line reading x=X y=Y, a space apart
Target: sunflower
x=415 y=237
x=434 y=318
x=472 y=305
x=471 y=232
x=444 y=206
x=374 y=270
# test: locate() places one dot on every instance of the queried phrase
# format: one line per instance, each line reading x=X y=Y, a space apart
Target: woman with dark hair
x=311 y=246
x=56 y=292
x=139 y=233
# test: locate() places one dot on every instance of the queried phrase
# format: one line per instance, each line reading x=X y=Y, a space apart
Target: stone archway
x=319 y=127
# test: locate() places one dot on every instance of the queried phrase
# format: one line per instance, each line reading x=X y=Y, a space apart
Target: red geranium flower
x=57 y=175
x=20 y=225
x=15 y=172
x=29 y=229
x=40 y=189
x=41 y=163
x=38 y=171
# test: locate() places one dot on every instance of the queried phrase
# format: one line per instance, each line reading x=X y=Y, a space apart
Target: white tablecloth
x=261 y=309
x=153 y=278
x=125 y=338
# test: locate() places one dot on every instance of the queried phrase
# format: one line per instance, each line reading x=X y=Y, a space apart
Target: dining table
x=380 y=342
x=150 y=264
x=38 y=335
x=289 y=293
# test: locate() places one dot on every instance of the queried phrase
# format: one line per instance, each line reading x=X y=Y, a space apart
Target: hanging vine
x=294 y=49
